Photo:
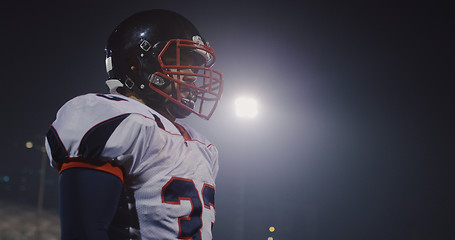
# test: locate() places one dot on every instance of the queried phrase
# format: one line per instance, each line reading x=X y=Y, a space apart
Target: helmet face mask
x=187 y=65
x=161 y=57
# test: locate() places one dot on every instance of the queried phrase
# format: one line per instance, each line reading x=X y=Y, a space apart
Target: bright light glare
x=246 y=107
x=270 y=238
x=272 y=229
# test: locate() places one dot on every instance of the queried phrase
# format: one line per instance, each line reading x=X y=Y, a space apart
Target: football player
x=128 y=168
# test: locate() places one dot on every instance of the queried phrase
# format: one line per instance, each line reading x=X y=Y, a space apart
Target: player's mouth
x=188 y=102
x=188 y=95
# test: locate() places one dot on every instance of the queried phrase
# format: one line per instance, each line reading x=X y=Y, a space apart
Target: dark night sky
x=354 y=139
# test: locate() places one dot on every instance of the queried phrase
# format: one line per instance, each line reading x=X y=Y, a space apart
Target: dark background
x=354 y=137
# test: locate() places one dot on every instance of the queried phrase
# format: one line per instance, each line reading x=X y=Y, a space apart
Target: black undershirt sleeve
x=88 y=201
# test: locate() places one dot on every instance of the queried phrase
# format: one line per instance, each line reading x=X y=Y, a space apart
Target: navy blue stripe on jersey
x=208 y=193
x=158 y=121
x=94 y=141
x=113 y=98
x=58 y=150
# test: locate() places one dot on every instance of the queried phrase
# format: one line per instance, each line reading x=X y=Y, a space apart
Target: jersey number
x=177 y=189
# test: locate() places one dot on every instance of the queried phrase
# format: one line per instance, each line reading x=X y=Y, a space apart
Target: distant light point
x=5 y=178
x=29 y=145
x=272 y=229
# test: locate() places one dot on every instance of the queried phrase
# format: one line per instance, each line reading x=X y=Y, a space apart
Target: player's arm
x=88 y=201
x=93 y=146
x=81 y=145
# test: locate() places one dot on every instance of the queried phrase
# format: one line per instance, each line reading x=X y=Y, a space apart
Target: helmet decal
x=145 y=45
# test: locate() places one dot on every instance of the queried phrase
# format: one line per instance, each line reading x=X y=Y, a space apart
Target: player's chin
x=180 y=111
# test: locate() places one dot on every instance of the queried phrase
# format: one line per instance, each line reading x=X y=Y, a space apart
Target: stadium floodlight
x=246 y=107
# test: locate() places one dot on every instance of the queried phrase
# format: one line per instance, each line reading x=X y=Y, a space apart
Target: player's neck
x=165 y=113
x=161 y=110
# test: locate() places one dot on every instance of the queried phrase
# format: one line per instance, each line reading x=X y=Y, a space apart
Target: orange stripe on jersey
x=108 y=167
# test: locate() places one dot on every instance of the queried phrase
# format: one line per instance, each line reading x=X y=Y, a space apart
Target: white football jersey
x=172 y=179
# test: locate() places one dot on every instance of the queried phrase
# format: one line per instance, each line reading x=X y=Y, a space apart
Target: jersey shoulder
x=98 y=105
x=85 y=126
x=88 y=110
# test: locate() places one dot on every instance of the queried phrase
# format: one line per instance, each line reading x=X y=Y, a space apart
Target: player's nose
x=189 y=79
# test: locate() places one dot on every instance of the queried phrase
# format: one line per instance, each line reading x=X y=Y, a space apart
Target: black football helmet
x=160 y=55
